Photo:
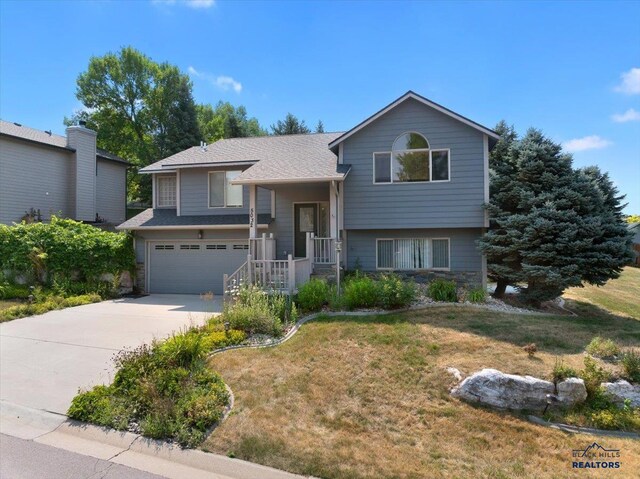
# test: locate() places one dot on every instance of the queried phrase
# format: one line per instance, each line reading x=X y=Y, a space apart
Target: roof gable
x=425 y=101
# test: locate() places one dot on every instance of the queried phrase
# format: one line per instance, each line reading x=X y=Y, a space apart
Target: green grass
x=618 y=296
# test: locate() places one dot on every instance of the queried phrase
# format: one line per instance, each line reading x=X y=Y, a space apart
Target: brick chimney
x=83 y=140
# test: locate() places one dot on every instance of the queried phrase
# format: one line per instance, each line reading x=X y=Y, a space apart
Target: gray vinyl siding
x=194 y=195
x=464 y=254
x=84 y=142
x=457 y=203
x=286 y=196
x=33 y=176
x=111 y=191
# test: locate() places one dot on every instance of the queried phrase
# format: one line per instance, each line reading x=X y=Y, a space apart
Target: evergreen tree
x=289 y=126
x=551 y=227
x=320 y=127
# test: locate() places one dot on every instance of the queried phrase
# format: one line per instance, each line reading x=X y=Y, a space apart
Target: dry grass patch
x=618 y=296
x=368 y=397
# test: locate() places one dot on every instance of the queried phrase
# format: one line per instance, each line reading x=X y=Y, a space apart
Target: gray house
x=59 y=175
x=401 y=191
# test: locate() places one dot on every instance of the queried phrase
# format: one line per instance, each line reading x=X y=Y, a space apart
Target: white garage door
x=193 y=267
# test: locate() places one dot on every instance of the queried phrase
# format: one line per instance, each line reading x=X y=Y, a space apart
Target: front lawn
x=618 y=296
x=368 y=397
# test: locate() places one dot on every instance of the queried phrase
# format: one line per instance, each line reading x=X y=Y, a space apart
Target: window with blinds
x=412 y=253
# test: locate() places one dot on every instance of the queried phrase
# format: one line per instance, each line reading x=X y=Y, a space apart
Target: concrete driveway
x=45 y=359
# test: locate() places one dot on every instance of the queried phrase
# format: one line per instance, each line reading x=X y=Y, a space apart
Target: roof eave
x=410 y=94
x=276 y=181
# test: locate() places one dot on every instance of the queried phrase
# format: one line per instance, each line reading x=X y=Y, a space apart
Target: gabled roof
x=168 y=219
x=286 y=150
x=412 y=95
x=32 y=135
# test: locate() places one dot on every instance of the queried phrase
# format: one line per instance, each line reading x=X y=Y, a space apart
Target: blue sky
x=571 y=69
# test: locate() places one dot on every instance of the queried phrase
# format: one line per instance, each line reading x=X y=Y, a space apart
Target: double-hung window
x=166 y=191
x=411 y=160
x=408 y=254
x=222 y=194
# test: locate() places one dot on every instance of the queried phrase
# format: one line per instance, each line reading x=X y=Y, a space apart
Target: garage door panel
x=193 y=267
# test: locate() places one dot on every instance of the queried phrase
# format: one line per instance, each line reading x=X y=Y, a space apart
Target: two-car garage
x=192 y=266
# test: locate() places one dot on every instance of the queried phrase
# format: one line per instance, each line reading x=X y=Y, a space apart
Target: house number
x=251 y=215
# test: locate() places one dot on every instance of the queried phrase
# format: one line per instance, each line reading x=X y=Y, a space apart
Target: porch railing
x=324 y=250
x=279 y=275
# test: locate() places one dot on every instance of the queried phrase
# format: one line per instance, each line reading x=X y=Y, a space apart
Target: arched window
x=411 y=160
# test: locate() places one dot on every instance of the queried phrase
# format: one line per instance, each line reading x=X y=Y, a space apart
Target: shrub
x=99 y=407
x=13 y=291
x=593 y=375
x=477 y=295
x=47 y=303
x=254 y=313
x=313 y=295
x=603 y=348
x=63 y=286
x=631 y=365
x=360 y=292
x=394 y=292
x=64 y=247
x=443 y=290
x=221 y=339
x=164 y=387
x=184 y=349
x=562 y=372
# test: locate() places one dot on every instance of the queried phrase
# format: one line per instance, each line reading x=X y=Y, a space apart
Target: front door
x=305 y=220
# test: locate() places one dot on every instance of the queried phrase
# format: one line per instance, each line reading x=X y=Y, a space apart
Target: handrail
x=324 y=250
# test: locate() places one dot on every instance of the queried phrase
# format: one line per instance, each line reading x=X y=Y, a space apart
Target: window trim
x=157 y=192
x=430 y=259
x=224 y=193
x=392 y=182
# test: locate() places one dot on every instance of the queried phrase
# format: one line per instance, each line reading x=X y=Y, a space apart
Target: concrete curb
x=157 y=457
x=583 y=430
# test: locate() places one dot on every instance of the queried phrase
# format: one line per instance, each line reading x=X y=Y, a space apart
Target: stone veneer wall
x=140 y=278
x=462 y=278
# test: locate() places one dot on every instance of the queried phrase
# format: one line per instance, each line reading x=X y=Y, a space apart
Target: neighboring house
x=59 y=175
x=401 y=191
x=635 y=229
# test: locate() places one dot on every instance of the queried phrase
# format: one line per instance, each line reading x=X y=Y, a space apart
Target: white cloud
x=629 y=115
x=195 y=4
x=222 y=82
x=593 y=142
x=225 y=83
x=630 y=83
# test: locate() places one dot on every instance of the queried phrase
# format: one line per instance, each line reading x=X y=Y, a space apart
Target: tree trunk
x=501 y=288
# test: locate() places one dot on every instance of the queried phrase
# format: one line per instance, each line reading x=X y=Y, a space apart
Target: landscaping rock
x=622 y=390
x=457 y=375
x=571 y=391
x=506 y=391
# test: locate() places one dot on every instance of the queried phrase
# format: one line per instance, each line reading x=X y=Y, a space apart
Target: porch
x=263 y=270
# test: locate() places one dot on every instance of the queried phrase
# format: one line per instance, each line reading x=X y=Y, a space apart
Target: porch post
x=333 y=210
x=253 y=215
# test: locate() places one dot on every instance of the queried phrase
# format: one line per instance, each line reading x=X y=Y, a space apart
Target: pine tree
x=552 y=227
x=289 y=126
x=320 y=127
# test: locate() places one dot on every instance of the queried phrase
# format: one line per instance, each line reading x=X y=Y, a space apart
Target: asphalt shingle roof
x=287 y=157
x=51 y=139
x=151 y=218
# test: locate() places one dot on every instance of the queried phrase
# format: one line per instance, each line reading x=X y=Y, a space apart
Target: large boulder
x=622 y=390
x=506 y=391
x=571 y=391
